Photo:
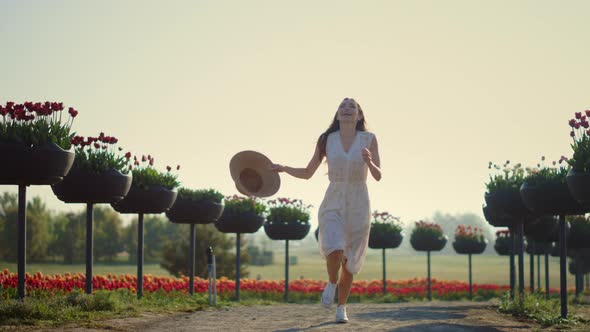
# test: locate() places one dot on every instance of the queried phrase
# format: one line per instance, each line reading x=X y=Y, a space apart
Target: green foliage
x=176 y=251
x=238 y=205
x=148 y=176
x=544 y=174
x=98 y=154
x=468 y=233
x=428 y=229
x=285 y=210
x=506 y=178
x=536 y=307
x=108 y=234
x=34 y=124
x=39 y=228
x=200 y=195
x=383 y=222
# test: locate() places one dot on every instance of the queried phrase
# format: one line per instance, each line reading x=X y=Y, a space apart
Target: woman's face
x=348 y=112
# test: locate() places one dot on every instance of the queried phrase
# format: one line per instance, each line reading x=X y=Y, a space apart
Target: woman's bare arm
x=302 y=173
x=371 y=157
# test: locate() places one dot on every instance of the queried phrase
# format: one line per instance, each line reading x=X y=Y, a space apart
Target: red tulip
x=578 y=115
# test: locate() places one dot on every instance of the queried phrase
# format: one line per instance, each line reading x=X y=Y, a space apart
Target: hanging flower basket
x=85 y=186
x=34 y=143
x=154 y=199
x=385 y=232
x=241 y=215
x=286 y=230
x=196 y=207
x=469 y=240
x=288 y=219
x=427 y=237
x=503 y=245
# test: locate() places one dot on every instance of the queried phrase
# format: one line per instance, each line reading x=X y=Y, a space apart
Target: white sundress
x=345 y=214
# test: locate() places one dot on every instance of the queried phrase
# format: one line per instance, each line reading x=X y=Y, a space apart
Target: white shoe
x=328 y=294
x=341 y=316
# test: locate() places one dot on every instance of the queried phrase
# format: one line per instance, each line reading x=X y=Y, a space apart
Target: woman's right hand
x=277 y=168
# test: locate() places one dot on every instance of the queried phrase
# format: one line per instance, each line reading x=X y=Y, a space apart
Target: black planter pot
x=463 y=246
x=286 y=231
x=498 y=219
x=41 y=165
x=83 y=186
x=550 y=199
x=428 y=243
x=579 y=186
x=544 y=229
x=381 y=240
x=317 y=233
x=156 y=199
x=186 y=211
x=248 y=222
x=503 y=246
x=507 y=202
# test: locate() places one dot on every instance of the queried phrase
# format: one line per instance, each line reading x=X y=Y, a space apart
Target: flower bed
x=302 y=288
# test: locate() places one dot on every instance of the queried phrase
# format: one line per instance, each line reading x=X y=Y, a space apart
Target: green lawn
x=486 y=268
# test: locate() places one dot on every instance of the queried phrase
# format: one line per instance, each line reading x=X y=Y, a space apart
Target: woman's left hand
x=367 y=156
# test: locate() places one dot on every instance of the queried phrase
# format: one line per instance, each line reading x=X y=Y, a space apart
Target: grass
x=487 y=269
x=547 y=312
x=44 y=308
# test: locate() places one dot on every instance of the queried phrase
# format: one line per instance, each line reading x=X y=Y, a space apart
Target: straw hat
x=251 y=172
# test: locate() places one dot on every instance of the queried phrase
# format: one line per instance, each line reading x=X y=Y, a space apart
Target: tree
x=38 y=236
x=108 y=234
x=176 y=253
x=71 y=235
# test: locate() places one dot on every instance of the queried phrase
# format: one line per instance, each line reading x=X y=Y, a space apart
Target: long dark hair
x=361 y=125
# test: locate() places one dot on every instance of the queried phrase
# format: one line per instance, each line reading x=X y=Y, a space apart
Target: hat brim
x=271 y=181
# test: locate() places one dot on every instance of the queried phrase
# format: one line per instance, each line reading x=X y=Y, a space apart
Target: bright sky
x=446 y=86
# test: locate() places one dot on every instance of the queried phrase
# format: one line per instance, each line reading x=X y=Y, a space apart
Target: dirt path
x=399 y=317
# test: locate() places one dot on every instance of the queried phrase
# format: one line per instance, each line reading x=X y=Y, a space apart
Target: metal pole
x=89 y=246
x=286 y=270
x=532 y=266
x=470 y=280
x=191 y=280
x=384 y=275
x=546 y=275
x=520 y=260
x=579 y=274
x=428 y=262
x=538 y=273
x=512 y=263
x=139 y=256
x=563 y=265
x=237 y=266
x=22 y=239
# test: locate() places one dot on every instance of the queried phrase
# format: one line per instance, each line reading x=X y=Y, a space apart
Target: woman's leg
x=344 y=285
x=333 y=262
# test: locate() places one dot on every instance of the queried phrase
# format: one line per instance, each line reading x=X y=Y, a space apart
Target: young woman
x=344 y=215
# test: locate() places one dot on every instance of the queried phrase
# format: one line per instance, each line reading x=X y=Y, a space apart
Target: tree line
x=61 y=238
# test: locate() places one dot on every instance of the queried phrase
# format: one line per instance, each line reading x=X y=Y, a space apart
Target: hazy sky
x=446 y=86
